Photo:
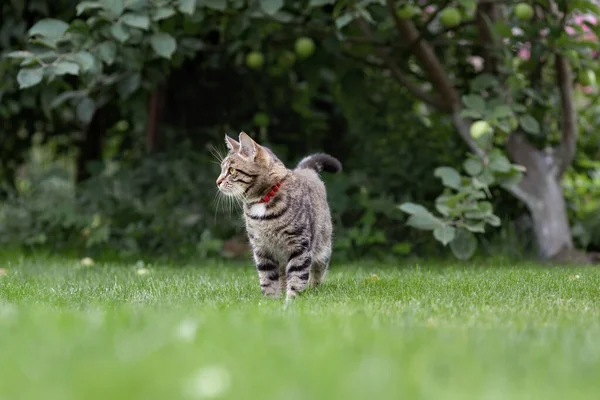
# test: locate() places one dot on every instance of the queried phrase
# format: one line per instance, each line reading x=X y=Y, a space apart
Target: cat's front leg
x=268 y=274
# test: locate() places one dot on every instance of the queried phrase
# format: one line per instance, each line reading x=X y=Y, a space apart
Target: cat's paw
x=271 y=291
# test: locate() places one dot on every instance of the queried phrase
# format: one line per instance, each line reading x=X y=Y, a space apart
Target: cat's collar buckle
x=271 y=194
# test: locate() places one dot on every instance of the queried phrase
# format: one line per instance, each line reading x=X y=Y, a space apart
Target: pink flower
x=524 y=53
x=477 y=62
x=583 y=21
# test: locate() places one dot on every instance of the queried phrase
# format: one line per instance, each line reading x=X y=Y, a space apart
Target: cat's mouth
x=230 y=191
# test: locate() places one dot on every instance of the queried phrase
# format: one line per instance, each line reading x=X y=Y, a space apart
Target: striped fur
x=291 y=234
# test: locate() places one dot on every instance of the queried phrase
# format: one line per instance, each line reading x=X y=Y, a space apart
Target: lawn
x=371 y=332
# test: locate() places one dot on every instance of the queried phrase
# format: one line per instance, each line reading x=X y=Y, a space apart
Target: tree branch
x=438 y=78
x=522 y=152
x=426 y=56
x=568 y=144
x=487 y=12
x=415 y=89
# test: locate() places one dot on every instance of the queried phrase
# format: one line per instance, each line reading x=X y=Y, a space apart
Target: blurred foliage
x=113 y=58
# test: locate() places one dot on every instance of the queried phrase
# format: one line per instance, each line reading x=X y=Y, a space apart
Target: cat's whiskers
x=214 y=150
x=217 y=200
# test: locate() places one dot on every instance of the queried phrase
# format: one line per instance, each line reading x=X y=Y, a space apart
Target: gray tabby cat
x=286 y=213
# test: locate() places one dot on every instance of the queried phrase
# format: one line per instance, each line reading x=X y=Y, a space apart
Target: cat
x=287 y=217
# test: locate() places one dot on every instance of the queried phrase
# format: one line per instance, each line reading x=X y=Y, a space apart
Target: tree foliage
x=506 y=81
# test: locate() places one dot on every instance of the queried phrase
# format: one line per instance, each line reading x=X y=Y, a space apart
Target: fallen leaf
x=87 y=262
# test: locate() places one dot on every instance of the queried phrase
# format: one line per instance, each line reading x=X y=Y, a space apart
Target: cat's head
x=249 y=170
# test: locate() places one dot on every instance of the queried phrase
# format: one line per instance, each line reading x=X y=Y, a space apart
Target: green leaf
x=529 y=124
x=65 y=96
x=464 y=244
x=502 y=111
x=474 y=102
x=320 y=3
x=271 y=6
x=487 y=177
x=66 y=67
x=218 y=5
x=116 y=6
x=475 y=226
x=49 y=28
x=163 y=44
x=469 y=113
x=107 y=51
x=85 y=60
x=30 y=77
x=85 y=110
x=452 y=201
x=412 y=208
x=444 y=234
x=344 y=20
x=162 y=13
x=129 y=85
x=513 y=177
x=426 y=222
x=520 y=108
x=473 y=166
x=483 y=82
x=484 y=208
x=420 y=217
x=87 y=5
x=119 y=32
x=493 y=220
x=187 y=6
x=136 y=20
x=20 y=54
x=499 y=162
x=449 y=176
x=442 y=208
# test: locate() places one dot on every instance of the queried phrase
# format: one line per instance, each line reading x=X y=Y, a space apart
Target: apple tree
x=504 y=72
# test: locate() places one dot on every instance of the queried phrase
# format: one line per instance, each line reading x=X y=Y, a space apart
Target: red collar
x=271 y=194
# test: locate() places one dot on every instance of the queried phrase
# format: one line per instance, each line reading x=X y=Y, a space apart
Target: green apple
x=524 y=11
x=304 y=46
x=450 y=17
x=587 y=77
x=406 y=12
x=255 y=60
x=480 y=128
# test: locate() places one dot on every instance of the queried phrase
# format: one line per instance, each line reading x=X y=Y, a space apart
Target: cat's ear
x=232 y=144
x=249 y=147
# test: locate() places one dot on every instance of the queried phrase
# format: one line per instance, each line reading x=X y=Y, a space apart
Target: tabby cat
x=286 y=213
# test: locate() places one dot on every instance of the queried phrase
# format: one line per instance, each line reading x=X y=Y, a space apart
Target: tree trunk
x=90 y=148
x=542 y=193
x=550 y=222
x=155 y=111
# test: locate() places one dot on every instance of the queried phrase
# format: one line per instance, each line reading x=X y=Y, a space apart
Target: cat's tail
x=320 y=162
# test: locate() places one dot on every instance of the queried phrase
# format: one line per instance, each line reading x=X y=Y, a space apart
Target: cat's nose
x=219 y=180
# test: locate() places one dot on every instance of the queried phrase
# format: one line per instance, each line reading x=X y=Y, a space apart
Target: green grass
x=475 y=332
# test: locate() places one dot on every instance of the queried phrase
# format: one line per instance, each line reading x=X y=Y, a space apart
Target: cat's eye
x=231 y=171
